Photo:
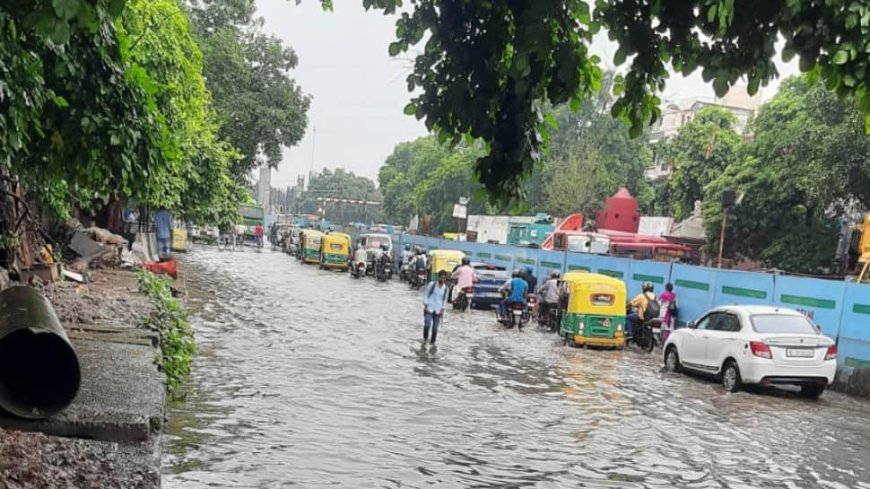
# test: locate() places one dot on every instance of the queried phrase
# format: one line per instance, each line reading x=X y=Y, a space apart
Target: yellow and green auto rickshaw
x=594 y=309
x=311 y=246
x=446 y=260
x=334 y=250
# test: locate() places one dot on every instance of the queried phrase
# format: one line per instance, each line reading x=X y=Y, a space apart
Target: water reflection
x=307 y=378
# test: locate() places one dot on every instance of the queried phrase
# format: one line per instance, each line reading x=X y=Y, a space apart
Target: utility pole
x=722 y=235
x=729 y=199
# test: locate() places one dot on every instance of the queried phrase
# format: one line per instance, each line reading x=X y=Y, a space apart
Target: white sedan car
x=755 y=345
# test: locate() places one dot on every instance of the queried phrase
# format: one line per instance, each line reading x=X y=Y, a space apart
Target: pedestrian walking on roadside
x=163 y=228
x=434 y=301
x=668 y=301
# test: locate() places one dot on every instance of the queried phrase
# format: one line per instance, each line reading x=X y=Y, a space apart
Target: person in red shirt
x=258 y=232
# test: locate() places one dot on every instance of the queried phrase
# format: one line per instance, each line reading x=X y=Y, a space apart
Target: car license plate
x=800 y=353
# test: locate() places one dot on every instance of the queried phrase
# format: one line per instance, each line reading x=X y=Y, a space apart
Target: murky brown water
x=307 y=378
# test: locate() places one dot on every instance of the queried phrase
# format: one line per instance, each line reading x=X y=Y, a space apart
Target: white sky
x=358 y=91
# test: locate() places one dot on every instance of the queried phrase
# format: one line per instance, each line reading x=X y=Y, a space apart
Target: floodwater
x=311 y=379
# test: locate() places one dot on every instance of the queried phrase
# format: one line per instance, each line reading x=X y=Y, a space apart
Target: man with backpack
x=434 y=300
x=644 y=307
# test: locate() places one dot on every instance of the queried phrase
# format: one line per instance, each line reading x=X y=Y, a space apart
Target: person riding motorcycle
x=407 y=254
x=515 y=290
x=639 y=307
x=420 y=265
x=549 y=294
x=385 y=259
x=528 y=275
x=464 y=276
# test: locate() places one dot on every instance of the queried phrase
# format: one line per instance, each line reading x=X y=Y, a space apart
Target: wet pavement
x=308 y=378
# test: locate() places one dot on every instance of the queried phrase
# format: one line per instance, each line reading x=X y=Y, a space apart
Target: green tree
x=341 y=184
x=261 y=108
x=703 y=149
x=426 y=177
x=165 y=56
x=808 y=158
x=101 y=104
x=591 y=156
x=777 y=222
x=487 y=67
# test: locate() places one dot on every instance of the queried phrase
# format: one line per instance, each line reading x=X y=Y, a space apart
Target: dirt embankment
x=37 y=461
x=113 y=297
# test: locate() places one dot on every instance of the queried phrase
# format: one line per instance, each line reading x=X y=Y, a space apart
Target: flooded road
x=307 y=378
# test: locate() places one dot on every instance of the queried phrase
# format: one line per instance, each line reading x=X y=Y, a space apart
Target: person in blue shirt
x=517 y=291
x=163 y=225
x=434 y=301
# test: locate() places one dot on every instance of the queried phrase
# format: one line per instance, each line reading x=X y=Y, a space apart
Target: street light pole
x=729 y=199
x=722 y=234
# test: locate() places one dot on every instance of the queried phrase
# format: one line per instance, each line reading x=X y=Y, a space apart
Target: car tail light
x=831 y=353
x=760 y=349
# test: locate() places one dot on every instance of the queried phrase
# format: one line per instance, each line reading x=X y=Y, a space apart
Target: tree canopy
x=700 y=152
x=487 y=68
x=808 y=161
x=341 y=184
x=260 y=107
x=590 y=157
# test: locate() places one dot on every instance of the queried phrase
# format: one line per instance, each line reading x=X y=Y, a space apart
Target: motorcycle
x=417 y=280
x=644 y=335
x=517 y=315
x=383 y=269
x=550 y=317
x=463 y=299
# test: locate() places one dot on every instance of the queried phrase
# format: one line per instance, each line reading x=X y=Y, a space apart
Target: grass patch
x=169 y=319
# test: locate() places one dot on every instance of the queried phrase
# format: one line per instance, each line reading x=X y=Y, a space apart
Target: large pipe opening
x=39 y=374
x=39 y=370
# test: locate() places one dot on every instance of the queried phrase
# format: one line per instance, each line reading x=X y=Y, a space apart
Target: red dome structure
x=619 y=213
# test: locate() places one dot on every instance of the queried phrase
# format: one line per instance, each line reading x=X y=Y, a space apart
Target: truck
x=532 y=233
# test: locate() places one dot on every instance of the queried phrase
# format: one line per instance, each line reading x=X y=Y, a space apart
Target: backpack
x=653 y=309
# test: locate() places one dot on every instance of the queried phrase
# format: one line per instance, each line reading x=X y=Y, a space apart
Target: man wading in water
x=434 y=300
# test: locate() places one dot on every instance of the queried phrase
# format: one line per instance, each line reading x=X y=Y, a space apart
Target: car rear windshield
x=781 y=323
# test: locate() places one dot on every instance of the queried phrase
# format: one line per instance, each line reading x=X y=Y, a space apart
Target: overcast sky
x=358 y=91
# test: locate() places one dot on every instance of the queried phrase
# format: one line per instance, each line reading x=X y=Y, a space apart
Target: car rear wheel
x=731 y=377
x=812 y=391
x=672 y=360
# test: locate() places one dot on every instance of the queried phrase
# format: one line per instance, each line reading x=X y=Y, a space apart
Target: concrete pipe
x=39 y=370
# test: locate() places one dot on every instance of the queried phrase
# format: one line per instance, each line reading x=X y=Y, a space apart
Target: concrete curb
x=121 y=396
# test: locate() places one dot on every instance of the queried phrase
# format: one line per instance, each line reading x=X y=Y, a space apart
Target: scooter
x=358 y=269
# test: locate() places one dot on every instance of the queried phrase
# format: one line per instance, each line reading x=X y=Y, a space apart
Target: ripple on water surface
x=308 y=378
